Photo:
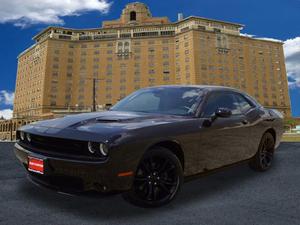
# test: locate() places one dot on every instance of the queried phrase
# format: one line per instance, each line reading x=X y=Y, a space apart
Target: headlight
x=22 y=135
x=98 y=148
x=91 y=147
x=28 y=137
x=103 y=149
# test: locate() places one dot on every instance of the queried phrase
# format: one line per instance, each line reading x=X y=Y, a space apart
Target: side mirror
x=220 y=112
x=223 y=112
x=108 y=106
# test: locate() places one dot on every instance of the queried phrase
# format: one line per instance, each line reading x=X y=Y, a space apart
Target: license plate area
x=36 y=165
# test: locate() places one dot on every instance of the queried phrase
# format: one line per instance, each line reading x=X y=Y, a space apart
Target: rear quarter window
x=245 y=104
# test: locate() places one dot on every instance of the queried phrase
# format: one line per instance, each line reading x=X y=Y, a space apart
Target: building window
x=133 y=16
x=120 y=46
x=217 y=30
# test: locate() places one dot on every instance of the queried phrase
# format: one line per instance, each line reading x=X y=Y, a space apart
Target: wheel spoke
x=155 y=194
x=269 y=154
x=141 y=179
x=169 y=169
x=267 y=143
x=266 y=154
x=146 y=167
x=151 y=163
x=263 y=148
x=163 y=166
x=264 y=162
x=150 y=191
x=266 y=158
x=163 y=187
x=166 y=182
x=141 y=186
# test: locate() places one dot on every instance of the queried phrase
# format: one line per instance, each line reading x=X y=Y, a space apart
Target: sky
x=20 y=20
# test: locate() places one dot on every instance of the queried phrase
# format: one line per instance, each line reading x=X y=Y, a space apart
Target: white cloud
x=247 y=35
x=292 y=58
x=269 y=39
x=26 y=12
x=6 y=114
x=291 y=46
x=260 y=38
x=7 y=97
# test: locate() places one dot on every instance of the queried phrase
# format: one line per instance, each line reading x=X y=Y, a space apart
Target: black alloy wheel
x=264 y=156
x=157 y=180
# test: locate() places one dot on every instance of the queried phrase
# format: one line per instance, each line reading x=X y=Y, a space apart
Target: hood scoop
x=111 y=119
x=104 y=120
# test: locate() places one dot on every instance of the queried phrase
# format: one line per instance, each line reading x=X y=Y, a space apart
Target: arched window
x=133 y=16
x=126 y=47
x=120 y=46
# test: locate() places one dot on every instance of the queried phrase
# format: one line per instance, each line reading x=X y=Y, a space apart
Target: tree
x=290 y=122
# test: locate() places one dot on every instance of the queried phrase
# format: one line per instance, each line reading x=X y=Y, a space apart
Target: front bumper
x=75 y=176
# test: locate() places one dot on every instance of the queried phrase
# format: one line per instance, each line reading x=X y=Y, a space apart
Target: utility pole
x=94 y=94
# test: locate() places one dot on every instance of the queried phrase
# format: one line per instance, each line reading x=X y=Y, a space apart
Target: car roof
x=205 y=87
x=210 y=88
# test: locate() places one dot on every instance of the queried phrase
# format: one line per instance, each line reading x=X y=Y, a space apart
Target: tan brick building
x=139 y=50
x=8 y=128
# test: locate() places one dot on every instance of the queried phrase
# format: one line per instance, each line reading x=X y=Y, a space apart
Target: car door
x=252 y=114
x=225 y=141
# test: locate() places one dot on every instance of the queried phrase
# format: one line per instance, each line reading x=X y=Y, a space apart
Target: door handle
x=245 y=122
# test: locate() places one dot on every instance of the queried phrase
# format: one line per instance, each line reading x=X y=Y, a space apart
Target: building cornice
x=190 y=18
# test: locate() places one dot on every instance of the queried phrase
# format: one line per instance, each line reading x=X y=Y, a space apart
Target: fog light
x=28 y=137
x=90 y=147
x=22 y=135
x=103 y=149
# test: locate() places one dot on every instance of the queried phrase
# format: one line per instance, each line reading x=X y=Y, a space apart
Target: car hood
x=106 y=124
x=107 y=119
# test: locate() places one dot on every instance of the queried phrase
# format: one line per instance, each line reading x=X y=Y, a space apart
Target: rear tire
x=263 y=159
x=157 y=180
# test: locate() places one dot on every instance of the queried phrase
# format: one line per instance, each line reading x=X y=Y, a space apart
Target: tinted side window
x=244 y=104
x=221 y=100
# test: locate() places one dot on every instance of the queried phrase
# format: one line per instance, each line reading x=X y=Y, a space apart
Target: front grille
x=50 y=146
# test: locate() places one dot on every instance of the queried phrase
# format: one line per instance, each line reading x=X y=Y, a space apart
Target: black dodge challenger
x=150 y=142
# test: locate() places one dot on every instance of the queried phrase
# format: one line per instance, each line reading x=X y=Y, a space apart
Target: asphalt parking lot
x=234 y=196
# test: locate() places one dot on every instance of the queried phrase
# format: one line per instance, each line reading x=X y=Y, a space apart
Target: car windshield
x=181 y=101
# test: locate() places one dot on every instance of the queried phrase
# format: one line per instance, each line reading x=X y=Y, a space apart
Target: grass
x=291 y=138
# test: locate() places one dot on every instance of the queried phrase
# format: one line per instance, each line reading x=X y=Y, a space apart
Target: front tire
x=157 y=180
x=263 y=159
